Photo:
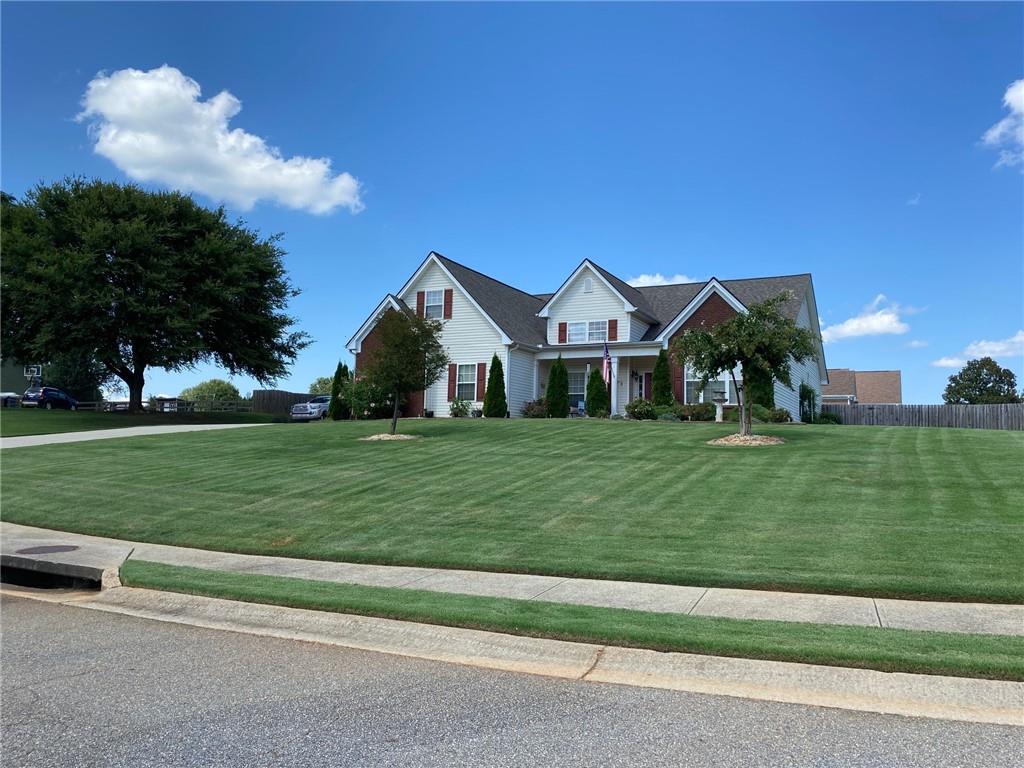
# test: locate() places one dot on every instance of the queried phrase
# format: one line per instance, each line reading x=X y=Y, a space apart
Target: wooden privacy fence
x=276 y=400
x=1002 y=416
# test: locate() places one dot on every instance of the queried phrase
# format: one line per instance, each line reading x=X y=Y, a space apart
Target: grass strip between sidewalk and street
x=887 y=650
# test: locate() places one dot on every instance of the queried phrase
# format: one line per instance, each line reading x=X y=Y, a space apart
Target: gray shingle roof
x=668 y=300
x=514 y=311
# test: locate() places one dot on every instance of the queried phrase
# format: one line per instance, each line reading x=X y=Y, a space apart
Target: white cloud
x=917 y=344
x=1011 y=347
x=878 y=318
x=1008 y=133
x=1005 y=350
x=641 y=281
x=154 y=127
x=915 y=199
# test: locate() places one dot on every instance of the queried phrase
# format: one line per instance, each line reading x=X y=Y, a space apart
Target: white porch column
x=536 y=378
x=615 y=385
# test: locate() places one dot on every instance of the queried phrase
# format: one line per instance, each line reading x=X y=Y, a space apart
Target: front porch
x=632 y=373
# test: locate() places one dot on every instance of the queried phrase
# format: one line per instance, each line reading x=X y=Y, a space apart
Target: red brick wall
x=414 y=403
x=713 y=311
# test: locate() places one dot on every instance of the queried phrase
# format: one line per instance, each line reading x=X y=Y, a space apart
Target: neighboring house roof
x=864 y=387
x=879 y=387
x=842 y=382
x=667 y=301
x=515 y=311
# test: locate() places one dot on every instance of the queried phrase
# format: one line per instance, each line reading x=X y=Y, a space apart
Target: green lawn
x=34 y=421
x=885 y=511
x=889 y=650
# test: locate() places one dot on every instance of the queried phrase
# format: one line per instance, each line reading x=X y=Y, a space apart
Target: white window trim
x=590 y=330
x=427 y=303
x=460 y=383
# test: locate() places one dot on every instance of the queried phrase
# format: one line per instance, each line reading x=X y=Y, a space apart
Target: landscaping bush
x=779 y=416
x=535 y=409
x=730 y=413
x=558 y=390
x=597 y=394
x=826 y=417
x=675 y=409
x=699 y=412
x=661 y=381
x=668 y=417
x=459 y=407
x=369 y=401
x=808 y=403
x=641 y=409
x=495 y=404
x=759 y=413
x=602 y=414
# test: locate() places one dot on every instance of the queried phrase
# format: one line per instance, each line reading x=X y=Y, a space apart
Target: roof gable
x=632 y=299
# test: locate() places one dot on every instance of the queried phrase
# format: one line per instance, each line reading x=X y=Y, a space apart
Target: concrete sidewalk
x=981 y=618
x=26 y=441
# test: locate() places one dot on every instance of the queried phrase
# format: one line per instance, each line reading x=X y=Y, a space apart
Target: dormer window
x=434 y=304
x=577 y=333
x=588 y=285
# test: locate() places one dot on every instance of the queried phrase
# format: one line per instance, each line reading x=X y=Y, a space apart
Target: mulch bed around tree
x=750 y=440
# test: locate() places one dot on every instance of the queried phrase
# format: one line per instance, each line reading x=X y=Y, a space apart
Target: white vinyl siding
x=637 y=328
x=467 y=336
x=521 y=382
x=806 y=372
x=575 y=305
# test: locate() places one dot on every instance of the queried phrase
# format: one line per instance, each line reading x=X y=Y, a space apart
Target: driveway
x=109 y=434
x=86 y=688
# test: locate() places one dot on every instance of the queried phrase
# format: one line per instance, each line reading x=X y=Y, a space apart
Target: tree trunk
x=394 y=416
x=745 y=428
x=136 y=383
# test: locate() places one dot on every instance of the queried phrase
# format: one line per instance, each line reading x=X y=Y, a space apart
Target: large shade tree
x=982 y=381
x=760 y=338
x=142 y=280
x=408 y=357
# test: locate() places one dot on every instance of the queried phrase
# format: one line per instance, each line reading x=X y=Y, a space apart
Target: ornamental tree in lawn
x=557 y=395
x=760 y=337
x=139 y=280
x=597 y=394
x=495 y=404
x=341 y=406
x=408 y=358
x=982 y=381
x=661 y=381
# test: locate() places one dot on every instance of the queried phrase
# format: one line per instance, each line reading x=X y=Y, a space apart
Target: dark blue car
x=48 y=398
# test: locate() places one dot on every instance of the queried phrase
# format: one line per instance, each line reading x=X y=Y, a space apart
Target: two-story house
x=482 y=317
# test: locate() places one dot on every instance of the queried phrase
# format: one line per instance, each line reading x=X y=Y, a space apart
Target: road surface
x=85 y=688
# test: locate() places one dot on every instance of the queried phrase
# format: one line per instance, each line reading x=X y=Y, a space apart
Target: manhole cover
x=47 y=550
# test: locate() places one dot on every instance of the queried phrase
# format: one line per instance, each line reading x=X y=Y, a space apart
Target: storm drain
x=44 y=575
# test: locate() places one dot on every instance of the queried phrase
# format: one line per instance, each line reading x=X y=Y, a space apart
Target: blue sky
x=730 y=140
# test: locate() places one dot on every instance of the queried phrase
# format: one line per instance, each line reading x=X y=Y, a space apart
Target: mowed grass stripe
x=883 y=511
x=888 y=650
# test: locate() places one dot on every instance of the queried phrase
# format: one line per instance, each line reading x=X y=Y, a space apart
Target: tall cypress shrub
x=597 y=394
x=340 y=407
x=495 y=404
x=558 y=390
x=661 y=381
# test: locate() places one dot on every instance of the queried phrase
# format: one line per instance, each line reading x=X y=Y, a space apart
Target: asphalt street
x=84 y=688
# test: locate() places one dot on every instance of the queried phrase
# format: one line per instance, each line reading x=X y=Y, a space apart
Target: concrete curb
x=59 y=438
x=949 y=698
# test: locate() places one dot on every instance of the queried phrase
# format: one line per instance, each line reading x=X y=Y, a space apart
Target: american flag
x=606 y=365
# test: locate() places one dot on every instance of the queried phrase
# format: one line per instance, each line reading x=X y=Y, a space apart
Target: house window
x=466 y=389
x=577 y=333
x=597 y=330
x=713 y=389
x=588 y=285
x=577 y=388
x=434 y=304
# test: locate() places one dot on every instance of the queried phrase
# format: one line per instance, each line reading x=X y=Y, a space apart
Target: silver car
x=313 y=410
